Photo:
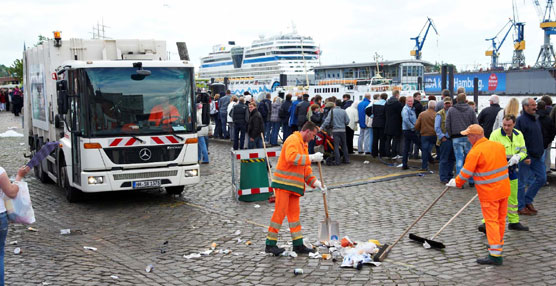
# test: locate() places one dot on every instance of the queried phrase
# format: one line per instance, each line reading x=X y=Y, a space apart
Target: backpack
x=263 y=109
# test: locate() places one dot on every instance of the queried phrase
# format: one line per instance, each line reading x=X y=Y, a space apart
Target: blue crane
x=519 y=43
x=418 y=42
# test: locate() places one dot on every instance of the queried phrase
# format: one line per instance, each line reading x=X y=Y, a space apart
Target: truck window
x=154 y=105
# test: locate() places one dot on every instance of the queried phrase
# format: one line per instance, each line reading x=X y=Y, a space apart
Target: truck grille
x=143 y=154
x=145 y=175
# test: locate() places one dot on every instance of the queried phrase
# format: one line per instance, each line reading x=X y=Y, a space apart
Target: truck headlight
x=192 y=173
x=95 y=180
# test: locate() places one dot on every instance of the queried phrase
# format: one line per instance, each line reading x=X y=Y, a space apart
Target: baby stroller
x=327 y=142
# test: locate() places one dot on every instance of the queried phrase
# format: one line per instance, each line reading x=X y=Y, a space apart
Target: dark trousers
x=286 y=130
x=340 y=138
x=239 y=135
x=349 y=139
x=392 y=145
x=447 y=160
x=427 y=142
x=379 y=142
x=217 y=125
x=409 y=137
x=257 y=143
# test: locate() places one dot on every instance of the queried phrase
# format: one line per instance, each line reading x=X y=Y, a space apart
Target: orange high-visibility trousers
x=494 y=213
x=286 y=204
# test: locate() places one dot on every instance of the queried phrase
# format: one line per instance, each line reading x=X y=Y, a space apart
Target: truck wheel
x=177 y=190
x=73 y=195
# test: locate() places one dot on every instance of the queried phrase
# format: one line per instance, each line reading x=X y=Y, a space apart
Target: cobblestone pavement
x=129 y=231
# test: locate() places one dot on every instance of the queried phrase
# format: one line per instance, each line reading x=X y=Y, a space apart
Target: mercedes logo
x=145 y=154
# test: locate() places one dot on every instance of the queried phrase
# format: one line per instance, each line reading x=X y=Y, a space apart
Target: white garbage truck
x=122 y=114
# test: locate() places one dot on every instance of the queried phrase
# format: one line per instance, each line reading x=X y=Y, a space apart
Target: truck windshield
x=159 y=103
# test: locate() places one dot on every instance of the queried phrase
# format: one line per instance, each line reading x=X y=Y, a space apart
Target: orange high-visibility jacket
x=487 y=163
x=294 y=166
x=158 y=117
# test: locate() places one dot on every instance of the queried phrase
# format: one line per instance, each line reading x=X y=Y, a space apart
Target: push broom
x=385 y=248
x=430 y=243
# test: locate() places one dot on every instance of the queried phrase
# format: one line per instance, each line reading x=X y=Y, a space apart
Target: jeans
x=202 y=149
x=274 y=130
x=447 y=161
x=223 y=121
x=267 y=126
x=379 y=142
x=462 y=146
x=427 y=142
x=409 y=137
x=286 y=130
x=256 y=143
x=217 y=125
x=340 y=138
x=3 y=234
x=537 y=170
x=239 y=135
x=364 y=140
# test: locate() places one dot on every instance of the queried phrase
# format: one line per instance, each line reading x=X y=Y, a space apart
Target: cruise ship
x=259 y=67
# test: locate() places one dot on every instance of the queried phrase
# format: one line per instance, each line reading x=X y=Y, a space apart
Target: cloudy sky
x=347 y=31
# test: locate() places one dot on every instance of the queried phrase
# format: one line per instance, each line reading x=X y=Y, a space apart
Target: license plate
x=146 y=184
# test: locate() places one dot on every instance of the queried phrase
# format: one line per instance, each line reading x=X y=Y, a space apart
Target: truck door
x=76 y=90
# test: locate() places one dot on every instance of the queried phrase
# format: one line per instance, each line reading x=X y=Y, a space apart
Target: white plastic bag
x=19 y=208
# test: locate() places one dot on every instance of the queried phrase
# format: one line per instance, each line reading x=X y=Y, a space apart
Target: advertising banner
x=488 y=82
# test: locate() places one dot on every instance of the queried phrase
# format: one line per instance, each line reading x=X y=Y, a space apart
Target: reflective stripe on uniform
x=512 y=206
x=291 y=174
x=467 y=172
x=310 y=180
x=294 y=224
x=493 y=180
x=303 y=160
x=297 y=235
x=495 y=252
x=296 y=160
x=275 y=225
x=289 y=182
x=463 y=178
x=482 y=174
x=272 y=235
x=512 y=212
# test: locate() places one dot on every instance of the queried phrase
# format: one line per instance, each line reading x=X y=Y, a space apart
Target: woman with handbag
x=10 y=190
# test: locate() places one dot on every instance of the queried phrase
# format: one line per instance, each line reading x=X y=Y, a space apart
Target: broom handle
x=456 y=215
x=323 y=194
x=417 y=220
x=266 y=157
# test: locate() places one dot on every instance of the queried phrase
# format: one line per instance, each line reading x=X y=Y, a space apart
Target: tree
x=16 y=69
x=4 y=71
x=42 y=39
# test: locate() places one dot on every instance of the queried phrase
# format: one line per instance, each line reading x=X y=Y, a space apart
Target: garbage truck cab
x=121 y=124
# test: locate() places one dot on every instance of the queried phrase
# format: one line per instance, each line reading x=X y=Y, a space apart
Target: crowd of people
x=11 y=100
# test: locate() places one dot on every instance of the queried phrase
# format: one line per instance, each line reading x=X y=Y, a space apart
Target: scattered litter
x=238 y=232
x=426 y=245
x=114 y=277
x=315 y=255
x=90 y=248
x=326 y=256
x=399 y=166
x=163 y=248
x=346 y=242
x=45 y=283
x=375 y=242
x=192 y=255
x=12 y=127
x=149 y=268
x=298 y=271
x=257 y=206
x=366 y=162
x=17 y=250
x=225 y=251
x=65 y=231
x=32 y=229
x=239 y=240
x=13 y=242
x=289 y=254
x=206 y=252
x=213 y=245
x=21 y=144
x=11 y=133
x=248 y=242
x=237 y=253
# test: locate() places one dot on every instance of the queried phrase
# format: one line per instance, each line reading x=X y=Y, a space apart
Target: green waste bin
x=253 y=175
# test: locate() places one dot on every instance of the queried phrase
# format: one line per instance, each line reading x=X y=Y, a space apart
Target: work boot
x=518 y=226
x=525 y=211
x=274 y=250
x=482 y=228
x=490 y=260
x=302 y=249
x=531 y=208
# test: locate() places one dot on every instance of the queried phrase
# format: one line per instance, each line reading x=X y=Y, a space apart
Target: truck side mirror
x=62 y=89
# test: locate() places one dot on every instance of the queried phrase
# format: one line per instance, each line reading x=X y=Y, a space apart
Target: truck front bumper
x=121 y=180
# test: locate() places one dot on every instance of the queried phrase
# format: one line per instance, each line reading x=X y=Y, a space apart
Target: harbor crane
x=416 y=52
x=519 y=44
x=546 y=57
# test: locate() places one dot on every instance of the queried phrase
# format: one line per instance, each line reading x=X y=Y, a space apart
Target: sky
x=347 y=31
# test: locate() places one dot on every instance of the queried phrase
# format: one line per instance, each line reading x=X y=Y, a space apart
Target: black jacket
x=487 y=117
x=530 y=126
x=317 y=118
x=547 y=127
x=393 y=111
x=256 y=124
x=240 y=113
x=346 y=104
x=418 y=108
x=301 y=112
x=378 y=113
x=284 y=112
